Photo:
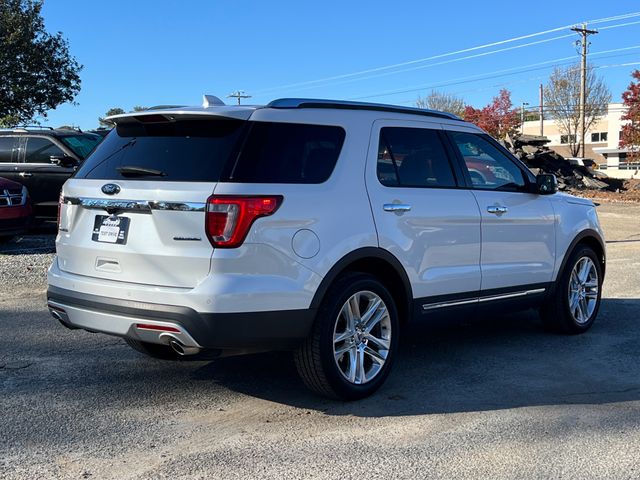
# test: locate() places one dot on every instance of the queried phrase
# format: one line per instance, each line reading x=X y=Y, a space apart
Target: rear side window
x=413 y=157
x=9 y=149
x=183 y=151
x=40 y=150
x=286 y=153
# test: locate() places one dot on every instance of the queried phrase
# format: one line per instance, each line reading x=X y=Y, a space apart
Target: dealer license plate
x=110 y=229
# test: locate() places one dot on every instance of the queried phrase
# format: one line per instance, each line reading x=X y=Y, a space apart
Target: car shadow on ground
x=485 y=364
x=40 y=239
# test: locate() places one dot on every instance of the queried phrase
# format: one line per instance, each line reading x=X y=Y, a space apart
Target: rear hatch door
x=135 y=210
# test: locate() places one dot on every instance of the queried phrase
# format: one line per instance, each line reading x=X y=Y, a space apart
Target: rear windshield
x=184 y=151
x=216 y=150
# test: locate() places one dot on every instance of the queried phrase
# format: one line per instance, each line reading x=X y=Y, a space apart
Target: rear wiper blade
x=133 y=171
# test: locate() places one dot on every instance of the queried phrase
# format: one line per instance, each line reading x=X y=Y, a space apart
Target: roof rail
x=39 y=127
x=348 y=105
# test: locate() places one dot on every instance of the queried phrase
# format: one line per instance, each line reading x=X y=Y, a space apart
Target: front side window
x=413 y=157
x=488 y=167
x=9 y=149
x=39 y=150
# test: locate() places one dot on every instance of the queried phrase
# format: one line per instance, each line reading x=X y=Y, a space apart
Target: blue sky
x=150 y=52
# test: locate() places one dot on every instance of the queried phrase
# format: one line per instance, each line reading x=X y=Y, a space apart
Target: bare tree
x=562 y=101
x=445 y=102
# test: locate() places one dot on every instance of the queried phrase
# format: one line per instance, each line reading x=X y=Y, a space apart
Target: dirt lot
x=496 y=398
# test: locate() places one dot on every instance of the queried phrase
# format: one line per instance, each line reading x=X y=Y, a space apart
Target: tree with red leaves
x=630 y=137
x=498 y=119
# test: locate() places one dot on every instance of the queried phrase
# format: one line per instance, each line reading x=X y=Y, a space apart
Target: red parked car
x=15 y=209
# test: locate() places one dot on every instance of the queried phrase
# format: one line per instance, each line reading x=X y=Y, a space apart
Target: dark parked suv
x=42 y=160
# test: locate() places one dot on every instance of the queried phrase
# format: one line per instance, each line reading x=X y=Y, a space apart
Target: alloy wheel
x=583 y=290
x=362 y=337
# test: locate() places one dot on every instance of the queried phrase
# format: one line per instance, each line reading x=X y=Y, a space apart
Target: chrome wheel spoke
x=339 y=352
x=574 y=300
x=341 y=337
x=353 y=361
x=374 y=320
x=584 y=270
x=371 y=309
x=354 y=307
x=360 y=373
x=381 y=343
x=375 y=356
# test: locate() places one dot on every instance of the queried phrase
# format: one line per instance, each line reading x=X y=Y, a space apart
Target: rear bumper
x=261 y=330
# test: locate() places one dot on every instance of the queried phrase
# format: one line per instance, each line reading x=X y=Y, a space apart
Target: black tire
x=163 y=352
x=315 y=359
x=557 y=313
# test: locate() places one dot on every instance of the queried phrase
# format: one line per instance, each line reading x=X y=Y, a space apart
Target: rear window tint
x=286 y=153
x=182 y=151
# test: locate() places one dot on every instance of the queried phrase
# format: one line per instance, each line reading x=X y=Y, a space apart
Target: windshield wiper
x=133 y=171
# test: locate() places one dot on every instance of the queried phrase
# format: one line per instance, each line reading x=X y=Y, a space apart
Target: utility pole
x=541 y=112
x=238 y=94
x=584 y=43
x=522 y=116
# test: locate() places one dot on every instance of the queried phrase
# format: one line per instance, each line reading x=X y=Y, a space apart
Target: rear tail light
x=229 y=217
x=60 y=200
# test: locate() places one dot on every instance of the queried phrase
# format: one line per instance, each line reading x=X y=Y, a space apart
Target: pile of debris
x=532 y=150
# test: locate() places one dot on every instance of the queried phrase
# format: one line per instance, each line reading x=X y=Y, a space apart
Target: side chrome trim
x=133 y=205
x=490 y=298
x=511 y=295
x=454 y=303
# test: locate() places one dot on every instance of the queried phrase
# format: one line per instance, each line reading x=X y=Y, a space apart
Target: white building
x=601 y=142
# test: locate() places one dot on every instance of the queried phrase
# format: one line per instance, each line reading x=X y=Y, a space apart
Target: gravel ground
x=496 y=398
x=24 y=260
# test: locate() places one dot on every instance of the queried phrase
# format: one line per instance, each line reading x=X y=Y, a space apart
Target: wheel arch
x=380 y=263
x=590 y=238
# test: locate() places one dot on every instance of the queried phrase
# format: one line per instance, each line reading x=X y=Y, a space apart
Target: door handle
x=396 y=207
x=25 y=174
x=497 y=210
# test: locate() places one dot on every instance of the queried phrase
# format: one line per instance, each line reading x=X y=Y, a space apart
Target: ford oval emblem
x=111 y=189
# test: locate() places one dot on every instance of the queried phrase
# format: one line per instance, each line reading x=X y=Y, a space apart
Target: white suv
x=318 y=226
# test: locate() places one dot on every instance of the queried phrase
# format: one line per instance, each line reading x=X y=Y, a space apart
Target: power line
x=444 y=62
x=419 y=67
x=495 y=74
x=502 y=84
x=443 y=55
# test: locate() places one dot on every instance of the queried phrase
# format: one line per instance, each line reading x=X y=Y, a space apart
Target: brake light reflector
x=229 y=217
x=161 y=328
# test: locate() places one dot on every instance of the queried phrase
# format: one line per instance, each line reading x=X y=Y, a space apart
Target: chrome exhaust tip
x=60 y=315
x=179 y=347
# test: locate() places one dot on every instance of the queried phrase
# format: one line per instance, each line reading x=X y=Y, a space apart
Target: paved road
x=497 y=398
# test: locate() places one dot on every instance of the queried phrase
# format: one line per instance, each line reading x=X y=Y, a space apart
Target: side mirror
x=63 y=161
x=547 y=184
